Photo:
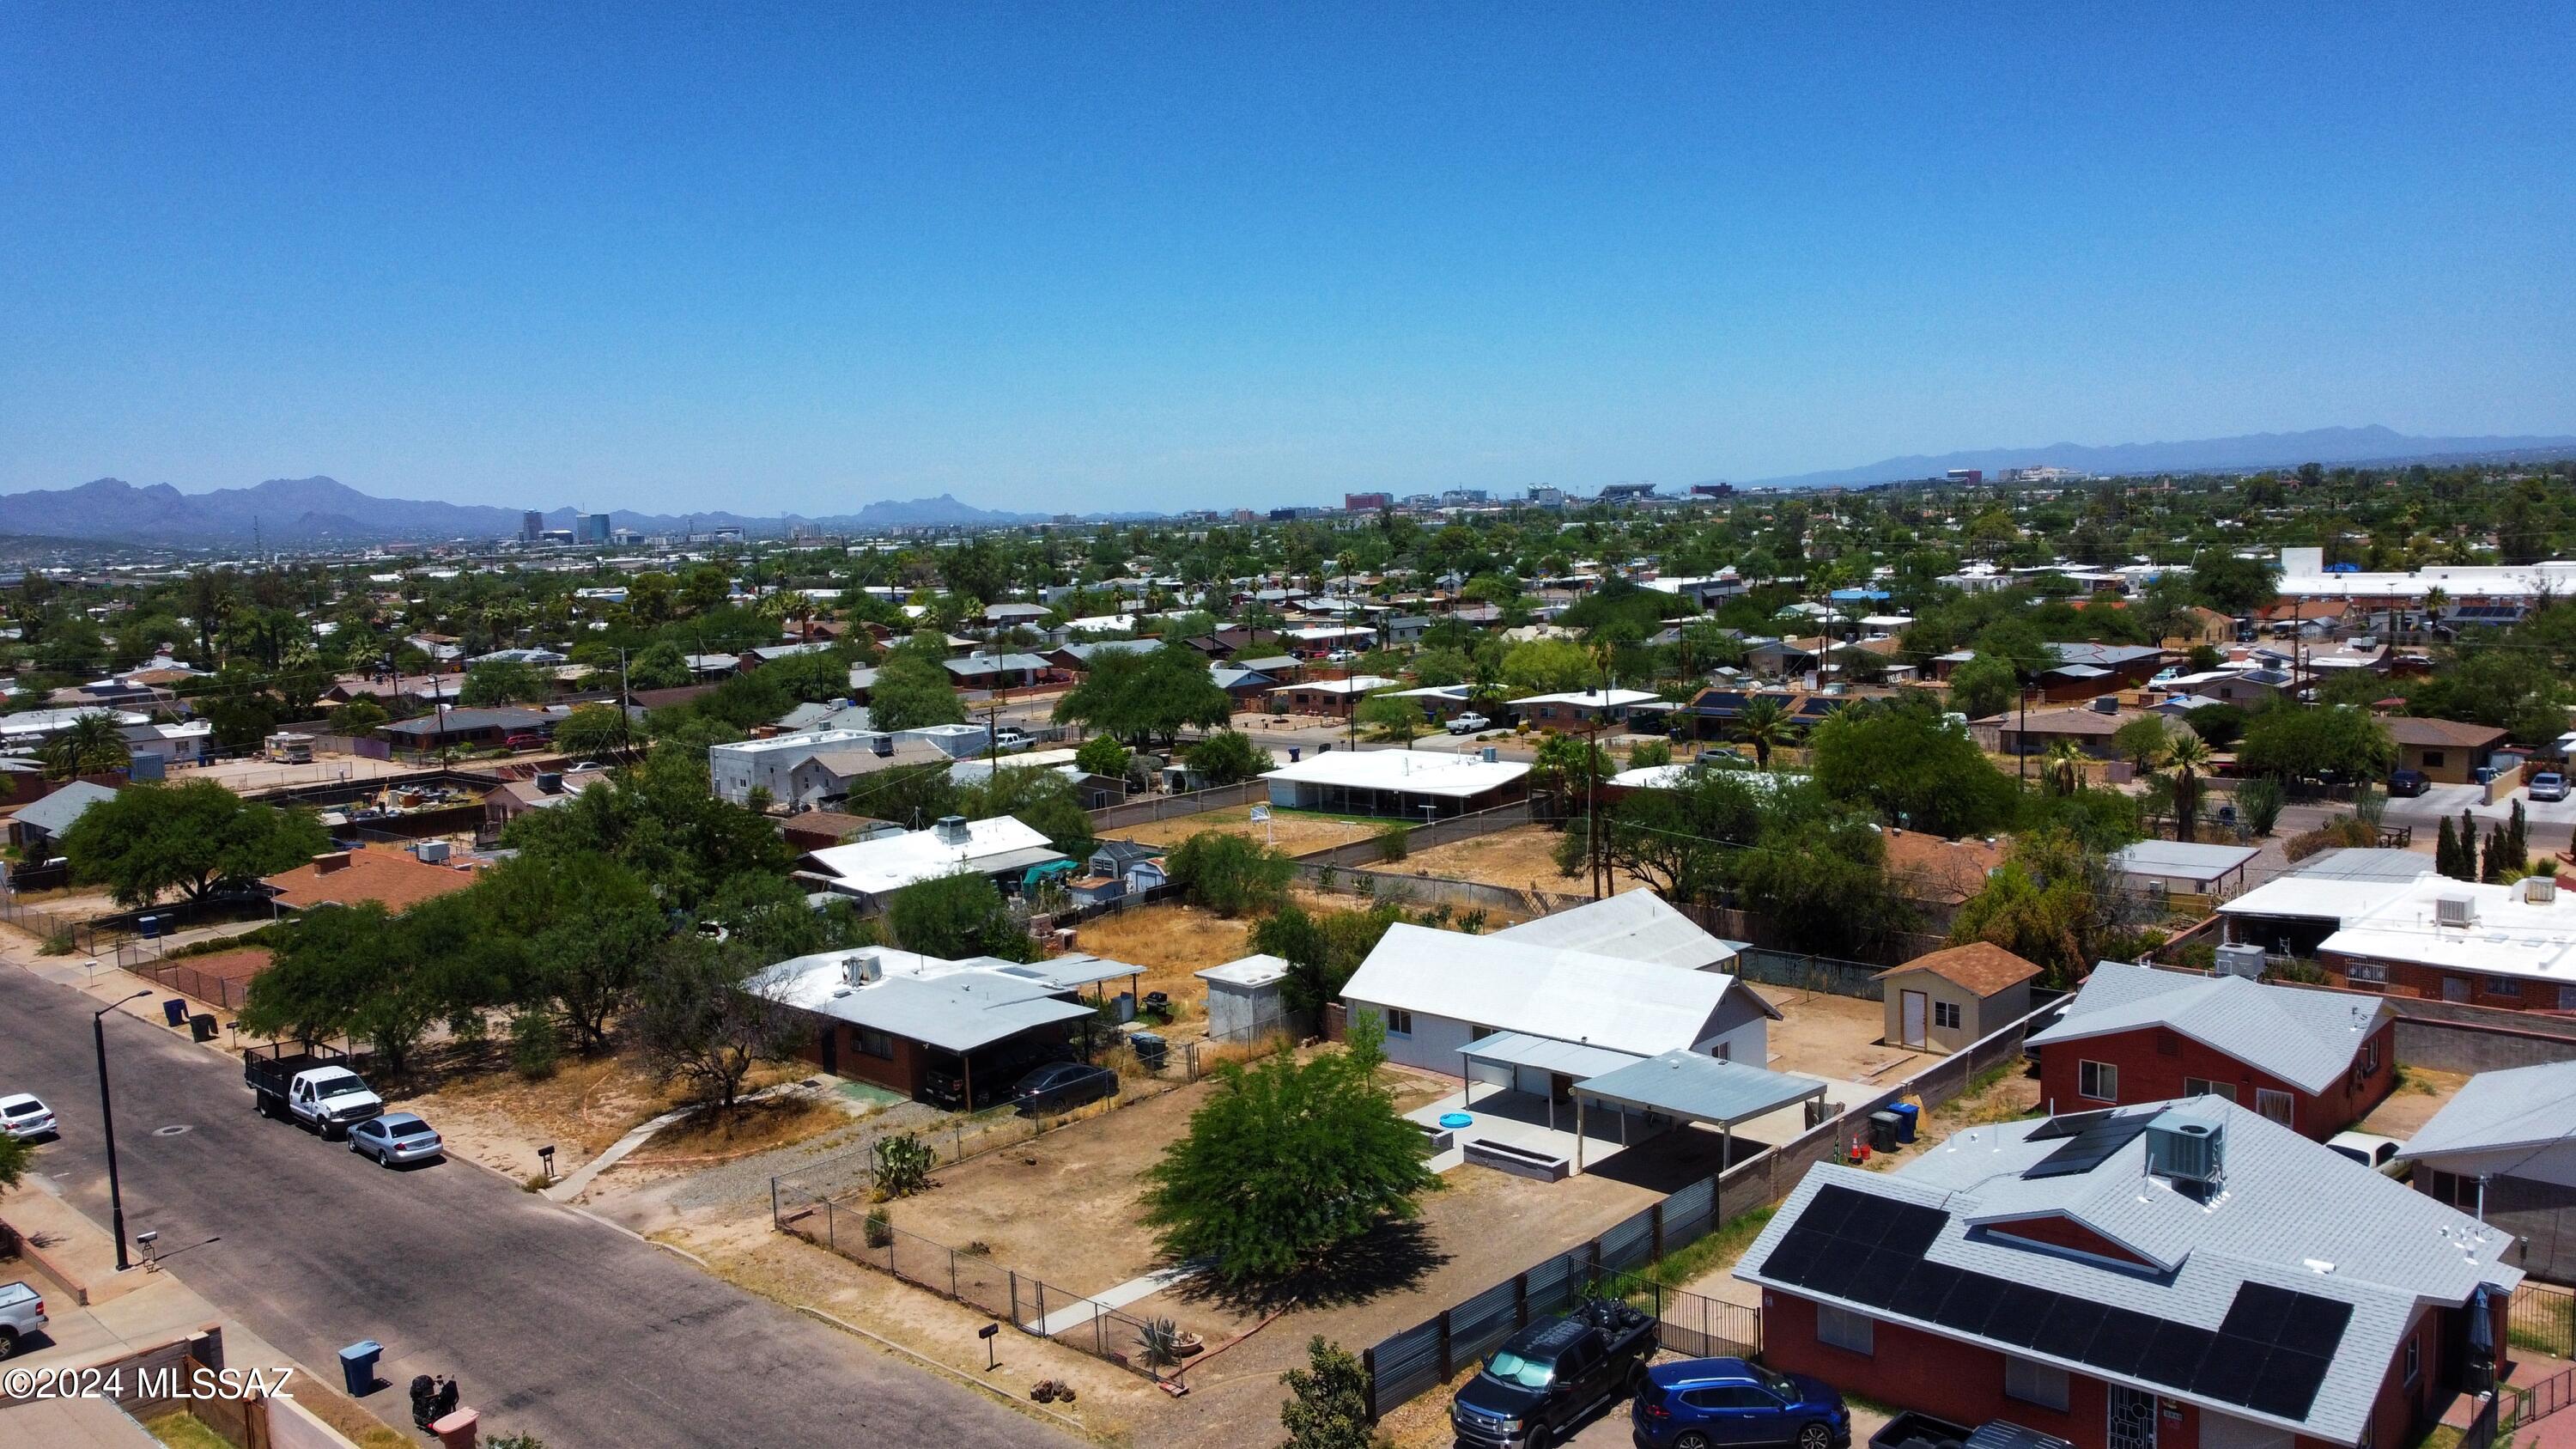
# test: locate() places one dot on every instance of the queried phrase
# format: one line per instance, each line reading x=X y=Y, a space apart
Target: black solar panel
x=2121 y=1341
x=2022 y=1314
x=2066 y=1126
x=1868 y=1221
x=2091 y=1147
x=2315 y=1326
x=1925 y=1285
x=1831 y=1205
x=2070 y=1327
x=1971 y=1303
x=2174 y=1355
x=2258 y=1313
x=2230 y=1369
x=1796 y=1254
x=2289 y=1384
x=1915 y=1229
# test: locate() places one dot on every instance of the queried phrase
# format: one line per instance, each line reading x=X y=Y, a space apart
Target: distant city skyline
x=1053 y=261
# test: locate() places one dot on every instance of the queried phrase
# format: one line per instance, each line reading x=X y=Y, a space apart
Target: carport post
x=1578 y=1132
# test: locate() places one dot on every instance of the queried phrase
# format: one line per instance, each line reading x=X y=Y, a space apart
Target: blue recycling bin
x=1906 y=1113
x=358 y=1366
x=175 y=1011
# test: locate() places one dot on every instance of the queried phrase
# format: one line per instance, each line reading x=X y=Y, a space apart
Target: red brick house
x=2179 y=1276
x=2313 y=1061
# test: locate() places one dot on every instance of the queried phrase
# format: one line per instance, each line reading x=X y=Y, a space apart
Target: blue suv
x=1703 y=1402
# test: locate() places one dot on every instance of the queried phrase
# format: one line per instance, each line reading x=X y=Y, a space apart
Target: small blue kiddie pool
x=1455 y=1120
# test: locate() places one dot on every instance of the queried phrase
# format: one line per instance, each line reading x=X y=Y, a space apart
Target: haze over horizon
x=1058 y=261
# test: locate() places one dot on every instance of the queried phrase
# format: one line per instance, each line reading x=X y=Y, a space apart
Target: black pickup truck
x=1548 y=1377
x=1912 y=1430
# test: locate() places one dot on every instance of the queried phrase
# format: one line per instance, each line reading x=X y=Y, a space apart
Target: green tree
x=1394 y=718
x=1327 y=1405
x=2040 y=904
x=594 y=731
x=1983 y=687
x=2234 y=585
x=2337 y=741
x=1820 y=878
x=2446 y=854
x=1548 y=666
x=1038 y=798
x=660 y=665
x=91 y=745
x=14 y=1157
x=578 y=924
x=701 y=1019
x=194 y=838
x=1230 y=874
x=956 y=916
x=2143 y=741
x=913 y=691
x=502 y=681
x=1766 y=726
x=1286 y=1162
x=1145 y=696
x=359 y=717
x=659 y=819
x=1914 y=768
x=1227 y=757
x=1102 y=755
x=1322 y=949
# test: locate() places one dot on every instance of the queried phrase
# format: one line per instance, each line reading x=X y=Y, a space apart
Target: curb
x=960 y=1375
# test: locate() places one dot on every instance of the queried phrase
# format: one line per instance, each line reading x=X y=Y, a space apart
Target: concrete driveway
x=554 y=1323
x=2447 y=801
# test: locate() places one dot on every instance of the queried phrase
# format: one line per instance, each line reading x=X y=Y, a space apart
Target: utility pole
x=107 y=1115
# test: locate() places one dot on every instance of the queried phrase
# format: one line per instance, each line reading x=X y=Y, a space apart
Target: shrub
x=2259 y=801
x=1394 y=842
x=534 y=1047
x=1231 y=874
x=878 y=1230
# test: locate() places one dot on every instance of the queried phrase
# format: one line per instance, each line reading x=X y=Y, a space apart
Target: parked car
x=2549 y=785
x=1701 y=1402
x=2408 y=782
x=1547 y=1378
x=1911 y=1430
x=22 y=1313
x=25 y=1116
x=2370 y=1150
x=314 y=1086
x=1470 y=723
x=1007 y=738
x=1063 y=1086
x=396 y=1137
x=527 y=740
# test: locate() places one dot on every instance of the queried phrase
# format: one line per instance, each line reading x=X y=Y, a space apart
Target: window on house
x=2278 y=1106
x=2503 y=986
x=2370 y=1056
x=2099 y=1081
x=2432 y=760
x=874 y=1043
x=1399 y=1022
x=2203 y=1087
x=2414 y=1358
x=2455 y=988
x=2375 y=972
x=2452 y=1189
x=1946 y=1014
x=2035 y=1383
x=2567 y=998
x=1842 y=1328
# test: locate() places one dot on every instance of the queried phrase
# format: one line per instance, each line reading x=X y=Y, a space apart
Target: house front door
x=1915 y=1008
x=2132 y=1418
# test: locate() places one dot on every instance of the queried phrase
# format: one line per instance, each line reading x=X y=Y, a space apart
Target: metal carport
x=1692 y=1088
x=1516 y=1049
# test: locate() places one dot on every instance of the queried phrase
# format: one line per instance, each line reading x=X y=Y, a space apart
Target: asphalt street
x=553 y=1323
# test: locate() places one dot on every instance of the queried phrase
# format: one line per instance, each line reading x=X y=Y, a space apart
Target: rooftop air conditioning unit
x=862 y=967
x=2186 y=1151
x=431 y=852
x=2244 y=960
x=2106 y=704
x=2540 y=890
x=2459 y=911
x=952 y=829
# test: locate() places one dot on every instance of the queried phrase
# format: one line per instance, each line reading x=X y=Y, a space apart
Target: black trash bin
x=201 y=1027
x=175 y=1011
x=1883 y=1127
x=1150 y=1050
x=358 y=1367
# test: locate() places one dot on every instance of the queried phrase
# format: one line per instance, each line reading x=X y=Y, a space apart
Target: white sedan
x=24 y=1116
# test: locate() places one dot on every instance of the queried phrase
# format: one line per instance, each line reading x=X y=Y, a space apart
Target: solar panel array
x=2092 y=1145
x=2270 y=1354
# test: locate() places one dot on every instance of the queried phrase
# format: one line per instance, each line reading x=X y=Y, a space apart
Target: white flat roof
x=1356 y=684
x=1249 y=971
x=814 y=740
x=889 y=863
x=1410 y=772
x=2507 y=936
x=2191 y=861
x=1595 y=697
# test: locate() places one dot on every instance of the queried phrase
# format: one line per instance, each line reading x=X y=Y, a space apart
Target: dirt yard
x=1823 y=1035
x=2420 y=1092
x=1293 y=831
x=1170 y=942
x=1522 y=858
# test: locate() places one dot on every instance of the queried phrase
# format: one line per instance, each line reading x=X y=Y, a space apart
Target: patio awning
x=1698 y=1089
x=1546 y=1054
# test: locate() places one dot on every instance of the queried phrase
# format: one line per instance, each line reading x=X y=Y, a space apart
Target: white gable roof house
x=1634 y=926
x=872 y=870
x=2505 y=1149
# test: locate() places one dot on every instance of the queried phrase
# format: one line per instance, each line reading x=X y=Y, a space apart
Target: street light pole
x=107 y=1113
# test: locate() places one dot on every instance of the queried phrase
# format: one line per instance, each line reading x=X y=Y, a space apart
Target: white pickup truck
x=22 y=1313
x=311 y=1085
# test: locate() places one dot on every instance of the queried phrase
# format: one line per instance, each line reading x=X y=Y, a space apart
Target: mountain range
x=2372 y=444
x=298 y=512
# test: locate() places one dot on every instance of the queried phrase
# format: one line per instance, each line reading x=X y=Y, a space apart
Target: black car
x=2408 y=782
x=1061 y=1087
x=1545 y=1380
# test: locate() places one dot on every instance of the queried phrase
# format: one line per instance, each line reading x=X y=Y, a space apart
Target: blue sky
x=1087 y=256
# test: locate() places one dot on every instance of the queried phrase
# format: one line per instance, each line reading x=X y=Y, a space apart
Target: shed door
x=1915 y=1009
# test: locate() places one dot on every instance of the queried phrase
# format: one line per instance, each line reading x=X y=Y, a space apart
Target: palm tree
x=2186 y=758
x=1765 y=725
x=2065 y=766
x=2436 y=599
x=93 y=744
